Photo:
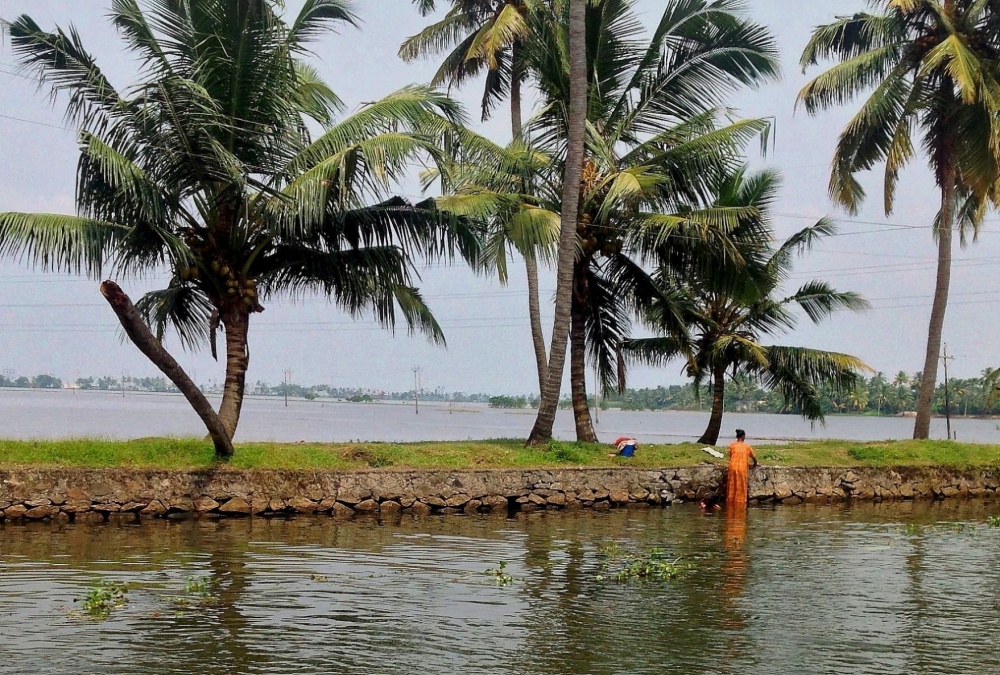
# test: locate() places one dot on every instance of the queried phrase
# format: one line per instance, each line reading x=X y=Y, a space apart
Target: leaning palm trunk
x=578 y=377
x=530 y=262
x=711 y=435
x=577 y=121
x=922 y=425
x=147 y=343
x=535 y=319
x=237 y=325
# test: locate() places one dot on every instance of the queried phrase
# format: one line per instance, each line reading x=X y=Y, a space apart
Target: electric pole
x=288 y=379
x=947 y=400
x=416 y=389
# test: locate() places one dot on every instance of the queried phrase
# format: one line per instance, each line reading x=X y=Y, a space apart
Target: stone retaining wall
x=97 y=494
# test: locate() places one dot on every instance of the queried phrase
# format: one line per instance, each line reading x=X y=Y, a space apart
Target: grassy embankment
x=164 y=453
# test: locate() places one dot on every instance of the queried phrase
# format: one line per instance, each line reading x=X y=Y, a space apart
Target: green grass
x=168 y=453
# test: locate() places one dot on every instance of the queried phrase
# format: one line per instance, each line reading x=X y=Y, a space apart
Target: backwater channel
x=889 y=588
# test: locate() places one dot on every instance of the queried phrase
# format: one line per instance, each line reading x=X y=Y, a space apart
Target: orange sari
x=737 y=490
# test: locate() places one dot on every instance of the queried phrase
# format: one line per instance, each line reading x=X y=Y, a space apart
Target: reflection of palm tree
x=226 y=642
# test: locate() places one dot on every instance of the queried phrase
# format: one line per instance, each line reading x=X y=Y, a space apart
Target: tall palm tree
x=206 y=168
x=731 y=306
x=653 y=137
x=574 y=62
x=490 y=35
x=930 y=67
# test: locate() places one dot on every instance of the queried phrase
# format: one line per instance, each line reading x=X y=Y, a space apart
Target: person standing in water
x=740 y=454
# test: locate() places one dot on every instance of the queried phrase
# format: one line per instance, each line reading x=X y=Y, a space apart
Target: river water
x=68 y=413
x=902 y=588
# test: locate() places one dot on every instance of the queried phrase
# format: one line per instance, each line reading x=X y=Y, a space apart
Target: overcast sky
x=60 y=325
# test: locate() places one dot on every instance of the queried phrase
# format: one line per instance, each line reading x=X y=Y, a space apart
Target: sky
x=59 y=324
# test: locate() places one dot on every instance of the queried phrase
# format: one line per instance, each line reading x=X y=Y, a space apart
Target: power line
x=35 y=122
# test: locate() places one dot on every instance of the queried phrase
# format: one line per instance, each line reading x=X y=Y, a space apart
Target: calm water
x=877 y=589
x=59 y=414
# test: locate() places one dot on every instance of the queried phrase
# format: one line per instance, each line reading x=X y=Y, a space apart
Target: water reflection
x=875 y=589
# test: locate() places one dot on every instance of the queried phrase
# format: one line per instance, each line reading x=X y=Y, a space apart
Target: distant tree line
x=36 y=382
x=878 y=395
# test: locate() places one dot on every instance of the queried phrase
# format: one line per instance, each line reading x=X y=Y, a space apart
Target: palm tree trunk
x=515 y=90
x=711 y=435
x=922 y=425
x=578 y=375
x=237 y=324
x=147 y=343
x=535 y=319
x=530 y=263
x=576 y=123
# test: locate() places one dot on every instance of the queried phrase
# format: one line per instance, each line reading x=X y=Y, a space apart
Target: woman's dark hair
x=740 y=433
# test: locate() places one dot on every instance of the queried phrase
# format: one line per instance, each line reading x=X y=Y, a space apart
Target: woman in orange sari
x=740 y=453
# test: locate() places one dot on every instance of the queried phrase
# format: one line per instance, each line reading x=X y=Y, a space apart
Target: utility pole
x=416 y=389
x=597 y=395
x=123 y=385
x=947 y=400
x=288 y=379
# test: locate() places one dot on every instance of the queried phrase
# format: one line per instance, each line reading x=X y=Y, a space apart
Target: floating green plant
x=500 y=574
x=319 y=577
x=197 y=591
x=101 y=600
x=623 y=565
x=994 y=521
x=195 y=586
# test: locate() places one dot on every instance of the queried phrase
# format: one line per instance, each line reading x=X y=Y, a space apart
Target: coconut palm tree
x=206 y=169
x=731 y=307
x=488 y=35
x=574 y=64
x=655 y=134
x=927 y=67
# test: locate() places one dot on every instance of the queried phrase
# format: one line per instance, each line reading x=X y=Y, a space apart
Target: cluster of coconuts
x=591 y=243
x=246 y=289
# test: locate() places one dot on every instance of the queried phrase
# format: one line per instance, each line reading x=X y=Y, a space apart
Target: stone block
x=302 y=505
x=366 y=506
x=341 y=511
x=76 y=506
x=389 y=506
x=183 y=504
x=456 y=500
x=40 y=512
x=154 y=508
x=107 y=508
x=619 y=496
x=203 y=504
x=236 y=505
x=420 y=508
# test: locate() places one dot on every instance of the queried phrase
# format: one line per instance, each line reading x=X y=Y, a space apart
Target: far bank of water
x=861 y=589
x=67 y=413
